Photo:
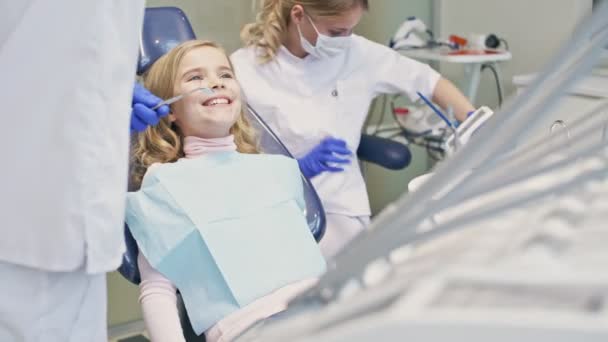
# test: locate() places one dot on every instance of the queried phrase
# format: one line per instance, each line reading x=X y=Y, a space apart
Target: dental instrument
x=174 y=99
x=455 y=141
x=436 y=110
x=467 y=128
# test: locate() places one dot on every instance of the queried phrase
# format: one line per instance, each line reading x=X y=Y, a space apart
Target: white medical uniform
x=67 y=72
x=306 y=99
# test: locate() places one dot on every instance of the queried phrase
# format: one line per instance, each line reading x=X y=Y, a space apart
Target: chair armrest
x=385 y=152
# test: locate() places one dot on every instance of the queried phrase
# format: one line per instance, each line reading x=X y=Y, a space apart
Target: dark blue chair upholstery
x=387 y=153
x=129 y=268
x=164 y=28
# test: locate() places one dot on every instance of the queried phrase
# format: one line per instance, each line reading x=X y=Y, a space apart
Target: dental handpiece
x=174 y=99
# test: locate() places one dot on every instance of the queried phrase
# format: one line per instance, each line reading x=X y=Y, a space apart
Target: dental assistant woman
x=312 y=80
x=67 y=70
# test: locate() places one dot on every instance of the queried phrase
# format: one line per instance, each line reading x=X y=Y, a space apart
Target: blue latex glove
x=325 y=157
x=142 y=115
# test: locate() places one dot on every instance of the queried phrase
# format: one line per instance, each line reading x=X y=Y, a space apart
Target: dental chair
x=166 y=27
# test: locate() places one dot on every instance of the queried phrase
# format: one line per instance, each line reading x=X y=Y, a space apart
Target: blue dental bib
x=226 y=228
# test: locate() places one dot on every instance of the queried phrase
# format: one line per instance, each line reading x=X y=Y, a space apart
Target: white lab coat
x=67 y=72
x=305 y=100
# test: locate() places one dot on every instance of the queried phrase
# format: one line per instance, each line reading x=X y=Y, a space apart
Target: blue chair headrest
x=164 y=28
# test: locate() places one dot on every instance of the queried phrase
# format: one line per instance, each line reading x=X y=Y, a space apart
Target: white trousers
x=339 y=231
x=37 y=305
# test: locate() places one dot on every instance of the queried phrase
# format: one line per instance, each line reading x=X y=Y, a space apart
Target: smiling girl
x=213 y=218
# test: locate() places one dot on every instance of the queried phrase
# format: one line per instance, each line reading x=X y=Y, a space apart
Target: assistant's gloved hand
x=142 y=114
x=324 y=157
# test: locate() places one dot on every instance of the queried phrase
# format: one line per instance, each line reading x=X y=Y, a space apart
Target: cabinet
x=578 y=101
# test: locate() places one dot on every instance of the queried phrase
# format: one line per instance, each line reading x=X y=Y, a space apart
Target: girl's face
x=200 y=114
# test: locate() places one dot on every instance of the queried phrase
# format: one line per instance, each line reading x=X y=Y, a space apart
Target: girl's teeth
x=217 y=101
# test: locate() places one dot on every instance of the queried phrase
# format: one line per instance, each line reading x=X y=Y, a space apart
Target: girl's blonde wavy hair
x=267 y=32
x=163 y=143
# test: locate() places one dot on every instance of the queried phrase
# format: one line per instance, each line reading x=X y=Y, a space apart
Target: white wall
x=385 y=16
x=535 y=29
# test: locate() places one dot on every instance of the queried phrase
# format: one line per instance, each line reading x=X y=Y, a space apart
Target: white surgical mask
x=326 y=47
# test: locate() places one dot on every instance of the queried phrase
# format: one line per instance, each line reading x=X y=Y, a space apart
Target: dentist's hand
x=142 y=114
x=326 y=156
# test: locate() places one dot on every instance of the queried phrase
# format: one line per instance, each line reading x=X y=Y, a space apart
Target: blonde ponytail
x=266 y=33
